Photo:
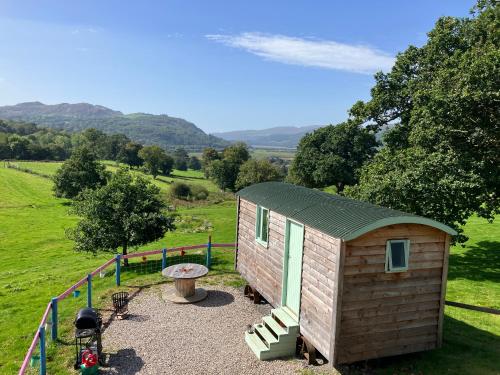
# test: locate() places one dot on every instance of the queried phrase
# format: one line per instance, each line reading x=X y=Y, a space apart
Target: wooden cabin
x=355 y=280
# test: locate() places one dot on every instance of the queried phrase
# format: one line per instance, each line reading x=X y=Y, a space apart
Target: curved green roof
x=335 y=215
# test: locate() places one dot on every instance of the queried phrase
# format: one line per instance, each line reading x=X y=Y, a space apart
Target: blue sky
x=224 y=65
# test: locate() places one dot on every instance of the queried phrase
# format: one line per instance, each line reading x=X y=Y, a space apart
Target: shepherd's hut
x=354 y=280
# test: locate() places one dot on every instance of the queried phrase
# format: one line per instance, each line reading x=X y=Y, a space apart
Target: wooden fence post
x=118 y=269
x=163 y=259
x=209 y=252
x=89 y=290
x=43 y=354
x=53 y=332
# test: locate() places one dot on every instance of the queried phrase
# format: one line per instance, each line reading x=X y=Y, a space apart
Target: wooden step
x=283 y=317
x=274 y=326
x=255 y=343
x=267 y=335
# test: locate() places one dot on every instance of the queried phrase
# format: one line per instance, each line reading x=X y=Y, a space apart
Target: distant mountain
x=145 y=128
x=278 y=137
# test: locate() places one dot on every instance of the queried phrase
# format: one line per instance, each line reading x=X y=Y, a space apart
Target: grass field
x=35 y=252
x=37 y=262
x=163 y=182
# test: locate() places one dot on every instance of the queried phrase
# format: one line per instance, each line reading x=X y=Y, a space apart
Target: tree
x=129 y=154
x=442 y=99
x=95 y=140
x=431 y=185
x=194 y=163
x=237 y=153
x=181 y=159
x=19 y=147
x=81 y=171
x=209 y=155
x=167 y=165
x=333 y=155
x=255 y=171
x=154 y=158
x=124 y=213
x=224 y=173
x=114 y=144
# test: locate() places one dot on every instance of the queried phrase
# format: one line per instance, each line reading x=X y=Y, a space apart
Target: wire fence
x=121 y=268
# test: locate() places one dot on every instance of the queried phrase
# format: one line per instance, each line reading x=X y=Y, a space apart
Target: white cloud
x=90 y=30
x=310 y=52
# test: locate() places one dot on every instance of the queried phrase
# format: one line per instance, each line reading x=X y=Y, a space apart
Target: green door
x=293 y=267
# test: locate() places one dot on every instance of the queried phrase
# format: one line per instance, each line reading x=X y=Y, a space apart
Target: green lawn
x=37 y=262
x=163 y=182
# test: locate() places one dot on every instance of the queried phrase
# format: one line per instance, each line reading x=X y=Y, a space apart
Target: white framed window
x=397 y=255
x=262 y=225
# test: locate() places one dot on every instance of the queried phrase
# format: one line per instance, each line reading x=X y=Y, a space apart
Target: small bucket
x=76 y=293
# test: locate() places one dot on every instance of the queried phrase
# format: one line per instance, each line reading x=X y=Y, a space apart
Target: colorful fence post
x=89 y=290
x=43 y=354
x=209 y=252
x=53 y=303
x=118 y=269
x=163 y=259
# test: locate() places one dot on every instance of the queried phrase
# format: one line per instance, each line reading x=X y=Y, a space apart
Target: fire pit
x=185 y=275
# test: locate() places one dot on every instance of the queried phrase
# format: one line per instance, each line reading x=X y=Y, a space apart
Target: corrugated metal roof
x=335 y=215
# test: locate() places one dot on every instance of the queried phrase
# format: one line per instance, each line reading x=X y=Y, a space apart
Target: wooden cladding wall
x=262 y=267
x=386 y=314
x=319 y=271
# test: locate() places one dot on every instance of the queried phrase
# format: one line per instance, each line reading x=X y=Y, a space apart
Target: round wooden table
x=185 y=275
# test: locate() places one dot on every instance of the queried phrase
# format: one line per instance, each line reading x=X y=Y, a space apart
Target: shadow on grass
x=480 y=262
x=466 y=350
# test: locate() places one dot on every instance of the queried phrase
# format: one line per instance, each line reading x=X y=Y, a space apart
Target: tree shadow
x=123 y=362
x=216 y=298
x=465 y=350
x=480 y=262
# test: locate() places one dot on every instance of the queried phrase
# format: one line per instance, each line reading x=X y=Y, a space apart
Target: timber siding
x=384 y=314
x=262 y=267
x=318 y=282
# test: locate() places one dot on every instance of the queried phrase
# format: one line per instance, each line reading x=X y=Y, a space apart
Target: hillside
x=277 y=137
x=145 y=128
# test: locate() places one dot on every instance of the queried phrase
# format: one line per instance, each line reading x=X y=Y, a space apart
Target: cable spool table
x=185 y=275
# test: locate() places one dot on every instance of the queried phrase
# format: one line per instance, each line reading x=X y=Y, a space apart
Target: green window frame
x=262 y=226
x=397 y=255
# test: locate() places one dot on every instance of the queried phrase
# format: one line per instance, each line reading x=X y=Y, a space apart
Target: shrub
x=180 y=190
x=199 y=192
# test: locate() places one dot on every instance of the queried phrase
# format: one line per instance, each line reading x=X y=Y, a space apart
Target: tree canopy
x=81 y=171
x=156 y=160
x=256 y=171
x=332 y=155
x=440 y=103
x=124 y=213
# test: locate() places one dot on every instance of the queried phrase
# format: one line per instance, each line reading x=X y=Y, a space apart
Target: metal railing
x=52 y=306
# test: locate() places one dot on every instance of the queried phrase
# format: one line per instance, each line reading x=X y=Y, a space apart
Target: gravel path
x=160 y=337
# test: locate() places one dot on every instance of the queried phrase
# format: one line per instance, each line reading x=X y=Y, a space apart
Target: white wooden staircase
x=274 y=337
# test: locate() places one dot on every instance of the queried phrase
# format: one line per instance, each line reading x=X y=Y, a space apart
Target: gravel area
x=207 y=337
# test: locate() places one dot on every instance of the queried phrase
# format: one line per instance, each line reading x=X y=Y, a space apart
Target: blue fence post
x=89 y=290
x=53 y=307
x=118 y=269
x=209 y=252
x=43 y=354
x=163 y=259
